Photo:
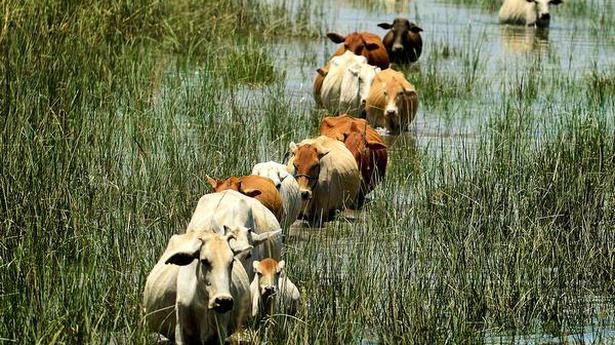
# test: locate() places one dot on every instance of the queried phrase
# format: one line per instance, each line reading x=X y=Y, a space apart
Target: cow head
x=401 y=30
x=268 y=274
x=354 y=42
x=355 y=87
x=232 y=183
x=396 y=98
x=215 y=263
x=306 y=167
x=541 y=9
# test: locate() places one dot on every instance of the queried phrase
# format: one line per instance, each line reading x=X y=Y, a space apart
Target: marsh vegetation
x=495 y=223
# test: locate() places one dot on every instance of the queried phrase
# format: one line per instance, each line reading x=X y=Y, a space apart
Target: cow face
x=541 y=10
x=355 y=87
x=215 y=263
x=401 y=31
x=354 y=42
x=268 y=274
x=396 y=100
x=306 y=168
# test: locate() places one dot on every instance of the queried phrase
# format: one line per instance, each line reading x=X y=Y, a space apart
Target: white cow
x=527 y=12
x=234 y=210
x=272 y=291
x=331 y=89
x=209 y=285
x=356 y=83
x=286 y=185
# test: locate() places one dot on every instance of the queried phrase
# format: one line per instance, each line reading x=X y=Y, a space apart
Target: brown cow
x=365 y=144
x=363 y=43
x=321 y=73
x=258 y=187
x=392 y=102
x=403 y=41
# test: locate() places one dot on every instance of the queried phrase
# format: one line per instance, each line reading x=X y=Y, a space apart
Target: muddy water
x=573 y=46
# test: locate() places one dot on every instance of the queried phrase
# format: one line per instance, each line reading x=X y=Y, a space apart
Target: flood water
x=459 y=35
x=572 y=46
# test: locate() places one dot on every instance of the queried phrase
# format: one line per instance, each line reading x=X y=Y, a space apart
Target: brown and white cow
x=272 y=292
x=327 y=174
x=363 y=43
x=392 y=102
x=261 y=188
x=403 y=41
x=365 y=144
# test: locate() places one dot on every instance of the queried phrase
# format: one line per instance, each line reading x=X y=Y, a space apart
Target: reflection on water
x=522 y=39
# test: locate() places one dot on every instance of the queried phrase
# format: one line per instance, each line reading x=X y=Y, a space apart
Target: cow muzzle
x=268 y=290
x=221 y=304
x=306 y=194
x=397 y=47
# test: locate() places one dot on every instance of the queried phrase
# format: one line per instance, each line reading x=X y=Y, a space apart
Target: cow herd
x=227 y=268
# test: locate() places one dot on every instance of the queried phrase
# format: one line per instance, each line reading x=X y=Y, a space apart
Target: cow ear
x=182 y=249
x=255 y=265
x=415 y=29
x=292 y=147
x=258 y=239
x=385 y=26
x=251 y=192
x=372 y=46
x=212 y=182
x=336 y=38
x=281 y=265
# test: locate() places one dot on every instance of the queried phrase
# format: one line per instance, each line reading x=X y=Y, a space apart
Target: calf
x=362 y=43
x=527 y=12
x=258 y=187
x=286 y=185
x=272 y=291
x=392 y=102
x=403 y=41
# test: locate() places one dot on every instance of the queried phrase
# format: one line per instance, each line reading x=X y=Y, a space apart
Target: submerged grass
x=114 y=112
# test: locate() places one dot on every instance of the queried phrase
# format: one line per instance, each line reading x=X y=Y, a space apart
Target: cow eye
x=205 y=263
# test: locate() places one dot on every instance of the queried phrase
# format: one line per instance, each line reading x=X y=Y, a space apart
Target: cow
x=261 y=188
x=331 y=90
x=365 y=144
x=328 y=177
x=527 y=12
x=392 y=102
x=403 y=41
x=362 y=43
x=230 y=209
x=271 y=291
x=208 y=286
x=355 y=87
x=286 y=185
